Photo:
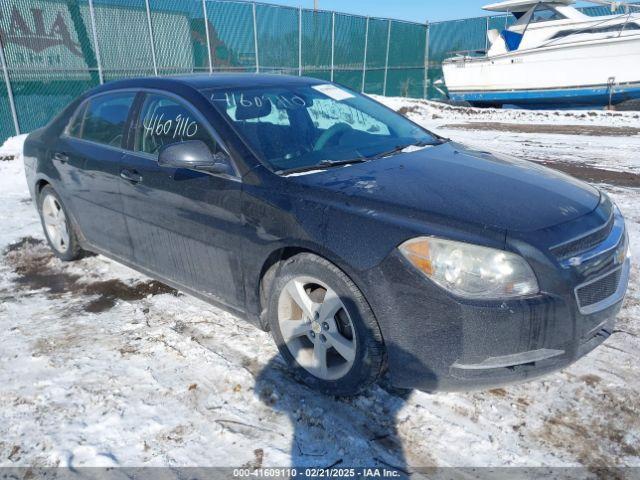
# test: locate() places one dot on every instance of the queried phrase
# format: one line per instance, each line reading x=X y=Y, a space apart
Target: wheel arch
x=40 y=184
x=38 y=180
x=281 y=254
x=268 y=272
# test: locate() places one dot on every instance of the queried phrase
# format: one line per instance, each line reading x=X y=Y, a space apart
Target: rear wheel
x=57 y=226
x=324 y=327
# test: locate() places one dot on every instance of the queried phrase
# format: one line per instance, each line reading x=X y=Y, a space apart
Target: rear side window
x=164 y=121
x=74 y=129
x=102 y=119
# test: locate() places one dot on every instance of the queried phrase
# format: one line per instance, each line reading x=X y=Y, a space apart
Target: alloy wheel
x=55 y=222
x=316 y=328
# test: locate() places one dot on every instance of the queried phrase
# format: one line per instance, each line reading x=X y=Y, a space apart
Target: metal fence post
x=386 y=60
x=300 y=41
x=12 y=105
x=255 y=37
x=333 y=41
x=364 y=60
x=486 y=36
x=95 y=41
x=426 y=60
x=153 y=42
x=206 y=30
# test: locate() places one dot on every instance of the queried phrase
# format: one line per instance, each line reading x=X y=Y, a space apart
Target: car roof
x=202 y=81
x=227 y=80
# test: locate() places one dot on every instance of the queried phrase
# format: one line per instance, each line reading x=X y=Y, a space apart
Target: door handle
x=61 y=157
x=130 y=176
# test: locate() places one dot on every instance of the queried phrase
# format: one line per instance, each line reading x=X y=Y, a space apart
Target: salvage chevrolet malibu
x=363 y=242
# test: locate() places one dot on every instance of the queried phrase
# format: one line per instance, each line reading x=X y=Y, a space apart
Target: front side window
x=164 y=121
x=293 y=127
x=103 y=119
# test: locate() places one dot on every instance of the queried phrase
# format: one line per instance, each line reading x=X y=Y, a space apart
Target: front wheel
x=57 y=226
x=323 y=326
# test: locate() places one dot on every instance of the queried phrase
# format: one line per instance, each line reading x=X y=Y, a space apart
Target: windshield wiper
x=399 y=149
x=323 y=165
x=326 y=164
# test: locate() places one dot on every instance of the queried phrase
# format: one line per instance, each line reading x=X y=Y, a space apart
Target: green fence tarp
x=6 y=121
x=231 y=35
x=277 y=38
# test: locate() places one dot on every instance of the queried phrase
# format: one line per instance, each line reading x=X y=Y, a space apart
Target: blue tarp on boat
x=512 y=39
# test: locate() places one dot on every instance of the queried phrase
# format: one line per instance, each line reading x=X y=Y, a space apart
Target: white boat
x=554 y=55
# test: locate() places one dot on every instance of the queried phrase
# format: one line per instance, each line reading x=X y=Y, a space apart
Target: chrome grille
x=583 y=244
x=599 y=290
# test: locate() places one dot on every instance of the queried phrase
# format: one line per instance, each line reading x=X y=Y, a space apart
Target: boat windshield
x=294 y=127
x=546 y=14
x=540 y=13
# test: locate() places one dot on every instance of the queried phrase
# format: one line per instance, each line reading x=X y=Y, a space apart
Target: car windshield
x=302 y=127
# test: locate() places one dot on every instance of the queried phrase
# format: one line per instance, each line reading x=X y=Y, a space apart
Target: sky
x=412 y=10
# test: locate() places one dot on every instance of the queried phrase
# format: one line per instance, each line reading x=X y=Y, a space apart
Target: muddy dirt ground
x=532 y=128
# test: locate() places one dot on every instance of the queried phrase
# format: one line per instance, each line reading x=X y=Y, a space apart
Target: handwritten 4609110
x=180 y=127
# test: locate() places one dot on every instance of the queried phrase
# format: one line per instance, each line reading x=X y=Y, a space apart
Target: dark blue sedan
x=362 y=241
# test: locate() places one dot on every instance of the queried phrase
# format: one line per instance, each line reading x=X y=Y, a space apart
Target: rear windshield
x=292 y=127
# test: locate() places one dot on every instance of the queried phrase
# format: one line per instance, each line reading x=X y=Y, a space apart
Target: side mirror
x=194 y=155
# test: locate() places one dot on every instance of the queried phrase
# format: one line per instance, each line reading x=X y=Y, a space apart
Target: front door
x=185 y=225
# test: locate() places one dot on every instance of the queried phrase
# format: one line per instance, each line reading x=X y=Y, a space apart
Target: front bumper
x=436 y=341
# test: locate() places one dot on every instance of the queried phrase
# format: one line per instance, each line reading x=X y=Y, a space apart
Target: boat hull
x=591 y=74
x=577 y=97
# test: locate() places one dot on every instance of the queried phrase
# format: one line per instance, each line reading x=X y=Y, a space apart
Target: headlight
x=471 y=271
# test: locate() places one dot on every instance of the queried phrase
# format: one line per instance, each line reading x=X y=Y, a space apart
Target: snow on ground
x=12 y=148
x=453 y=114
x=101 y=366
x=501 y=130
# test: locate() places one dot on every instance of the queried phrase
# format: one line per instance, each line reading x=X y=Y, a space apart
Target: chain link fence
x=52 y=50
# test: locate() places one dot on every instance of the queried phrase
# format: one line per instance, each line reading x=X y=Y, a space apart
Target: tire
x=342 y=330
x=64 y=245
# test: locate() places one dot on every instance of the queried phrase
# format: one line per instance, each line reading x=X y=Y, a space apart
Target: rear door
x=88 y=154
x=185 y=225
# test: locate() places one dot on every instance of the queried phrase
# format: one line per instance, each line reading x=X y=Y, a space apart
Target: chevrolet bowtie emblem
x=575 y=261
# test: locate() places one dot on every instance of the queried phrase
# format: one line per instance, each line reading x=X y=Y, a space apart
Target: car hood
x=454 y=182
